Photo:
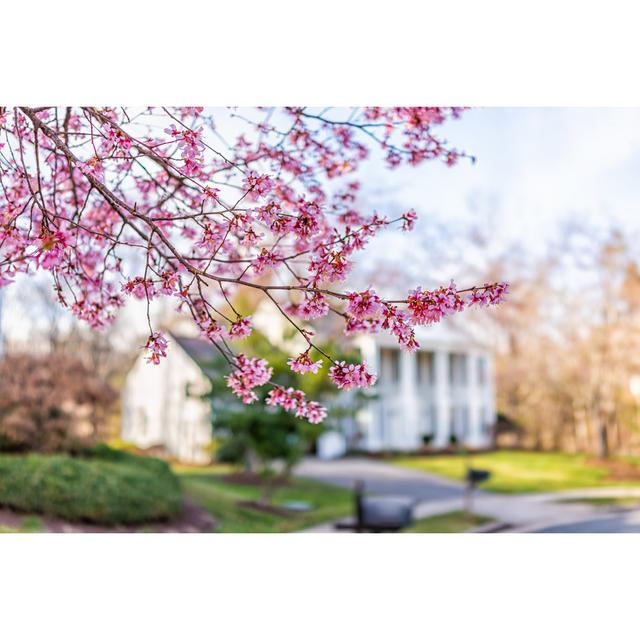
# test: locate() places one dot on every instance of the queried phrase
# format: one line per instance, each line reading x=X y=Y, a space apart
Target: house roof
x=202 y=352
x=450 y=333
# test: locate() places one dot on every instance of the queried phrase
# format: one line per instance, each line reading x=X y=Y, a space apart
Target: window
x=434 y=419
x=425 y=363
x=390 y=366
x=457 y=369
x=465 y=422
x=487 y=421
x=482 y=370
x=459 y=421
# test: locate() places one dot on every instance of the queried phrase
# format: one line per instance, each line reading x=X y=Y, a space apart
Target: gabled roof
x=202 y=352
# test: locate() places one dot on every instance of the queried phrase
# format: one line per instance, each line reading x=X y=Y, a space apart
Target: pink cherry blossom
x=314 y=306
x=169 y=282
x=409 y=220
x=52 y=248
x=315 y=413
x=303 y=363
x=265 y=259
x=294 y=401
x=363 y=304
x=93 y=167
x=210 y=329
x=257 y=185
x=350 y=376
x=140 y=288
x=250 y=373
x=427 y=307
x=240 y=329
x=365 y=325
x=157 y=347
x=490 y=294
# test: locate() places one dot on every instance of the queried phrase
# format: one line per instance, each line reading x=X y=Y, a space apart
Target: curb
x=491 y=527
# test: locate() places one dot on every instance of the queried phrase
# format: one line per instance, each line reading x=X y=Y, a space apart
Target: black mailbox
x=476 y=476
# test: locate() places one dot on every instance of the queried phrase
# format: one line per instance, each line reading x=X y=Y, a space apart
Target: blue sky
x=535 y=169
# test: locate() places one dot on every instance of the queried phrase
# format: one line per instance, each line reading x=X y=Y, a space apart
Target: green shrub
x=103 y=485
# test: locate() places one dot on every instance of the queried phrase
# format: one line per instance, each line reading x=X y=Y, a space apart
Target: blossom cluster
x=240 y=328
x=294 y=401
x=350 y=376
x=303 y=363
x=363 y=304
x=489 y=294
x=157 y=346
x=427 y=307
x=250 y=373
x=367 y=312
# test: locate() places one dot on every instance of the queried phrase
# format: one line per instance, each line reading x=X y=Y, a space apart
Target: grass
x=28 y=524
x=207 y=487
x=521 y=471
x=620 y=501
x=452 y=522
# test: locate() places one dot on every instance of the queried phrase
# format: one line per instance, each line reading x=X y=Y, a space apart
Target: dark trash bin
x=380 y=513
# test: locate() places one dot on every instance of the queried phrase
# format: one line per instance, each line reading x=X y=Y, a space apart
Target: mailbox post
x=473 y=479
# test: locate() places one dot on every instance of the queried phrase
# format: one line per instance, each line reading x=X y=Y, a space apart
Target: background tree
x=51 y=403
x=569 y=345
x=268 y=440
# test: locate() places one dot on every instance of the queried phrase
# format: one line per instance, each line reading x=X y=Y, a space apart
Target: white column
x=368 y=418
x=441 y=399
x=409 y=401
x=490 y=393
x=474 y=436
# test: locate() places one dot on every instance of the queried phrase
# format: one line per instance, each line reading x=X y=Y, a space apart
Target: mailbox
x=476 y=476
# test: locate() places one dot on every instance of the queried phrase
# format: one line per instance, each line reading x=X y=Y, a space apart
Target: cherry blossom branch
x=88 y=194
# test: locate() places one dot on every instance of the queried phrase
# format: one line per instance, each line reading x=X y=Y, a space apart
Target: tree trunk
x=603 y=440
x=268 y=488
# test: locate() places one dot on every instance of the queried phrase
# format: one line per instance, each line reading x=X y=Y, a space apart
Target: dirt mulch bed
x=254 y=479
x=267 y=508
x=192 y=519
x=621 y=470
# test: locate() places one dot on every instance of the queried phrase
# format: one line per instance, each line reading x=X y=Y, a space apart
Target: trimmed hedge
x=103 y=485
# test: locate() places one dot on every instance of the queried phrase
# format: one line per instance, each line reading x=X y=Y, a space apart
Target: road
x=381 y=478
x=628 y=522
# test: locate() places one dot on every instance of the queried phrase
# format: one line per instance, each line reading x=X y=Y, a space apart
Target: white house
x=447 y=388
x=162 y=405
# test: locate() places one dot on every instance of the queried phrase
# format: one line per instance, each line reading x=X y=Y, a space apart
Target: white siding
x=162 y=407
x=440 y=390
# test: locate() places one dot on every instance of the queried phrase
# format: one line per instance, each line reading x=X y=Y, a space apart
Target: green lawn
x=207 y=487
x=521 y=471
x=452 y=522
x=622 y=501
x=28 y=524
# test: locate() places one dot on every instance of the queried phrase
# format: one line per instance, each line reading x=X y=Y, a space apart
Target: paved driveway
x=628 y=522
x=381 y=478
